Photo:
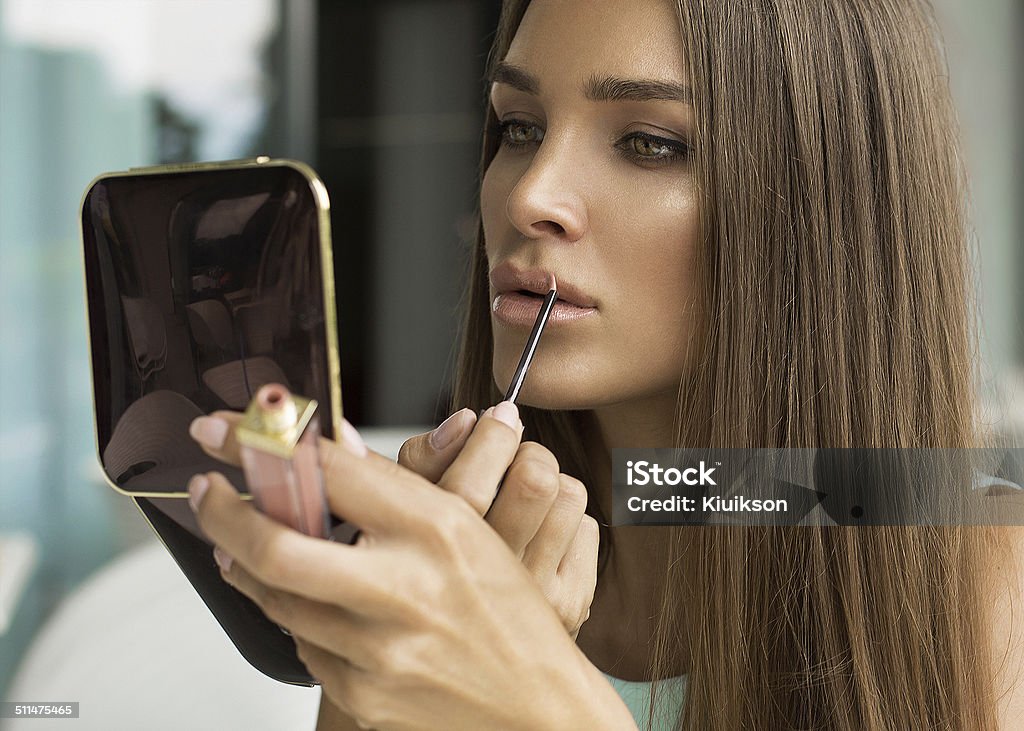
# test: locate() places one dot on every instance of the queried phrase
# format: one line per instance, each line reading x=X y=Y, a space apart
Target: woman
x=770 y=239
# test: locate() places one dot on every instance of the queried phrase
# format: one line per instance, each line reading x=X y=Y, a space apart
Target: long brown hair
x=835 y=276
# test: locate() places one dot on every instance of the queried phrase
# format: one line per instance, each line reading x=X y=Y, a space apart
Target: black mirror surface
x=202 y=286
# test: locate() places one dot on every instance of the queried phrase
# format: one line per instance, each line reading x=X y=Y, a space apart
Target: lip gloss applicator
x=530 y=349
x=531 y=342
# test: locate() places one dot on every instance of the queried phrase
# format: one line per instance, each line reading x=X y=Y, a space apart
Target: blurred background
x=384 y=99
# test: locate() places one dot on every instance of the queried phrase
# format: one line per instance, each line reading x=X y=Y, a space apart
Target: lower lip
x=521 y=310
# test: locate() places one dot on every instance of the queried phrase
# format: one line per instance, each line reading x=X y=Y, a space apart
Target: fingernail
x=351 y=439
x=197 y=487
x=222 y=558
x=210 y=431
x=507 y=413
x=449 y=430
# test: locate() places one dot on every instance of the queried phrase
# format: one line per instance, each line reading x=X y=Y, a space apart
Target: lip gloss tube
x=278 y=440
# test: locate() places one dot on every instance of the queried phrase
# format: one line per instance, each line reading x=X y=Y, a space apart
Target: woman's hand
x=539 y=512
x=429 y=620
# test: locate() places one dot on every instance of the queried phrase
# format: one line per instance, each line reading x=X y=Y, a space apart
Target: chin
x=559 y=394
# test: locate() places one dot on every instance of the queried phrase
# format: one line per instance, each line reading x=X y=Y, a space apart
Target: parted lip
x=507 y=277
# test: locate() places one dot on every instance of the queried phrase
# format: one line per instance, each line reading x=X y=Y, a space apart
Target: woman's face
x=593 y=184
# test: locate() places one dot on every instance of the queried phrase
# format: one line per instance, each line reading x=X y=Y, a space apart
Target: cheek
x=657 y=287
x=656 y=255
x=494 y=191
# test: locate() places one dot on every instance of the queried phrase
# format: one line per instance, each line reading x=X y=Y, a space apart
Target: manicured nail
x=351 y=439
x=210 y=431
x=507 y=413
x=451 y=429
x=197 y=487
x=222 y=558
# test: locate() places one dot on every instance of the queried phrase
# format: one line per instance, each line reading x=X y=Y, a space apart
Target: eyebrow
x=598 y=89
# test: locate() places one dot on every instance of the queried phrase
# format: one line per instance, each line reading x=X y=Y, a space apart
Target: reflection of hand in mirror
x=215 y=433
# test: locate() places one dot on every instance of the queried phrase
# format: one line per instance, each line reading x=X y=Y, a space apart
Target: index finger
x=478 y=470
x=215 y=434
x=284 y=558
x=373 y=492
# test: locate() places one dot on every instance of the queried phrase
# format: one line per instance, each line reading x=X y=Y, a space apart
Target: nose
x=547 y=200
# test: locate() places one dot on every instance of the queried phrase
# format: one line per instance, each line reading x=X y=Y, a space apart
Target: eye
x=648 y=149
x=639 y=147
x=515 y=133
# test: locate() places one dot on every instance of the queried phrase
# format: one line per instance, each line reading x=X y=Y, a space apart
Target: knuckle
x=372 y=705
x=361 y=698
x=537 y=451
x=270 y=558
x=390 y=656
x=390 y=471
x=450 y=527
x=534 y=479
x=467 y=489
x=565 y=607
x=399 y=661
x=574 y=608
x=274 y=605
x=550 y=591
x=572 y=491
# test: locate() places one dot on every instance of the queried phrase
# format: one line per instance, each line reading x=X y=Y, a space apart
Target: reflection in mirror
x=202 y=286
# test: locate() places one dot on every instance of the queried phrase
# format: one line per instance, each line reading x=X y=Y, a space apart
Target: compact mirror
x=204 y=282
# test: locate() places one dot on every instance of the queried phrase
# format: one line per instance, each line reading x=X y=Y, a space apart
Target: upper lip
x=507 y=277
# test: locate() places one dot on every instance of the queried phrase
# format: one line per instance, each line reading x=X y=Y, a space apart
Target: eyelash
x=681 y=149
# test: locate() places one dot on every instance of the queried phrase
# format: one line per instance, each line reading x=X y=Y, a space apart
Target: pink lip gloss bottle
x=278 y=439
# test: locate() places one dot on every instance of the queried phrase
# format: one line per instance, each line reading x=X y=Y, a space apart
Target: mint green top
x=637 y=697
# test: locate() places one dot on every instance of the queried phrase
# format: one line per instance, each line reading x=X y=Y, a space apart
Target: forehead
x=566 y=41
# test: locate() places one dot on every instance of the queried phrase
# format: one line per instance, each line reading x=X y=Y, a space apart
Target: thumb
x=215 y=433
x=430 y=454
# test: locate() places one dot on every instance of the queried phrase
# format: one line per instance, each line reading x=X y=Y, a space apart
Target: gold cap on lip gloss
x=274 y=421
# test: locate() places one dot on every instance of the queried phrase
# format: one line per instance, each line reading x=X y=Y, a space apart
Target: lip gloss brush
x=530 y=349
x=531 y=342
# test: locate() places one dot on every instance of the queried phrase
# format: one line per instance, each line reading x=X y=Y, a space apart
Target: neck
x=633 y=425
x=645 y=423
x=627 y=602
